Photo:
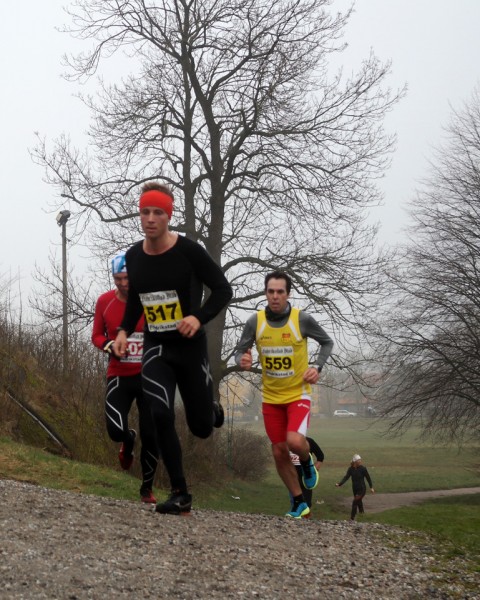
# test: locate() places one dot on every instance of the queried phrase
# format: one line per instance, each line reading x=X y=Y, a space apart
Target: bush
x=72 y=405
x=247 y=453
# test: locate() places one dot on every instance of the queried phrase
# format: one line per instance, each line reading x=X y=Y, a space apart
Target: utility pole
x=62 y=219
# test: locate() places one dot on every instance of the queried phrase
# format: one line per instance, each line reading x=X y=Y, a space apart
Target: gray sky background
x=434 y=47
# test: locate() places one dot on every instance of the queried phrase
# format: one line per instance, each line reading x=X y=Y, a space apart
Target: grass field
x=396 y=465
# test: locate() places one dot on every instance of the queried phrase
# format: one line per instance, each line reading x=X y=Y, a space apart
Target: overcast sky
x=434 y=46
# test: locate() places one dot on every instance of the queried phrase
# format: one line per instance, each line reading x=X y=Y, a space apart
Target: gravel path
x=56 y=544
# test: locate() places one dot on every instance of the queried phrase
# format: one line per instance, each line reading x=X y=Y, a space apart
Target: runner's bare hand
x=246 y=360
x=311 y=375
x=188 y=326
x=120 y=344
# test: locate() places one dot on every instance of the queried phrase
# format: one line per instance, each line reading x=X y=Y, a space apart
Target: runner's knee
x=280 y=453
x=201 y=428
x=115 y=433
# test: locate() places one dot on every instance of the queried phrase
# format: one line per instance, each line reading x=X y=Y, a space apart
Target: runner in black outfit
x=166 y=278
x=358 y=473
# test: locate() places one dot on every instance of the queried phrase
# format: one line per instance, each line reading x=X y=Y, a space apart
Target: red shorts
x=280 y=418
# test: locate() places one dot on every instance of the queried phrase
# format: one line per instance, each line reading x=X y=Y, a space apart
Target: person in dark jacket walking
x=358 y=473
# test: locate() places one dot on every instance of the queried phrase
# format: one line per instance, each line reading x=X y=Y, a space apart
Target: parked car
x=344 y=413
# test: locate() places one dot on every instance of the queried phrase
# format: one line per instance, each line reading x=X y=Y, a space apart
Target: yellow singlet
x=284 y=359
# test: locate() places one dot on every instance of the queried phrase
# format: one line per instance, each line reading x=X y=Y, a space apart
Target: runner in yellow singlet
x=280 y=333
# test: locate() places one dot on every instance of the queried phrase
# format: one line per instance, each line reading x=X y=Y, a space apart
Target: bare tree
x=273 y=159
x=431 y=337
x=47 y=303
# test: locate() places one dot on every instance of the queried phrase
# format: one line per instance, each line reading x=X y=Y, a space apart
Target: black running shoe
x=218 y=414
x=176 y=504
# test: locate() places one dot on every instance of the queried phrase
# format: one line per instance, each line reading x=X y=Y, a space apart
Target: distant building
x=242 y=400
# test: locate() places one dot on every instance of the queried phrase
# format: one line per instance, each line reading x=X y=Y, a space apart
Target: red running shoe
x=147 y=496
x=125 y=456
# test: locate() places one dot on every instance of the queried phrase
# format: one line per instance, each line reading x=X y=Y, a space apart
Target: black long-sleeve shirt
x=358 y=475
x=316 y=450
x=180 y=273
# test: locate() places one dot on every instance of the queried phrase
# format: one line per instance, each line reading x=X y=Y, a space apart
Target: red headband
x=158 y=199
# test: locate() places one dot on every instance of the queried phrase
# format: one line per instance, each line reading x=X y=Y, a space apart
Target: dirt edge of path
x=379 y=502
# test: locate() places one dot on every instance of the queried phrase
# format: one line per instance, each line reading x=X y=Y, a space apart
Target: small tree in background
x=430 y=341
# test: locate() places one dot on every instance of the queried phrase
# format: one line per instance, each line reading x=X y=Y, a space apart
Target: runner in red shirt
x=124 y=384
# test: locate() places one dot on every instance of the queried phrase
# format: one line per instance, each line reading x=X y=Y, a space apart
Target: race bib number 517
x=162 y=310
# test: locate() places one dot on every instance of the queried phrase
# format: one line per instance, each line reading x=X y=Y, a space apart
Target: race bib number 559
x=278 y=361
x=162 y=310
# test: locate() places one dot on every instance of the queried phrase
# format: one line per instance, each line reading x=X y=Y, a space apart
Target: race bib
x=295 y=459
x=134 y=348
x=277 y=361
x=162 y=310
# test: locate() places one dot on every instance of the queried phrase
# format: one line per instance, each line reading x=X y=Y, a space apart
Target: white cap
x=356 y=457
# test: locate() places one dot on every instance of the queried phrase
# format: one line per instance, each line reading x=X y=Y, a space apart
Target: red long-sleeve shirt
x=108 y=316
